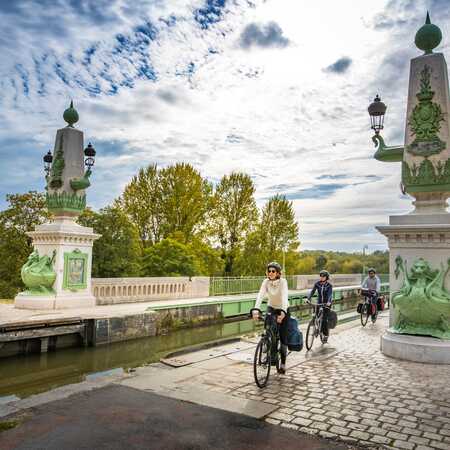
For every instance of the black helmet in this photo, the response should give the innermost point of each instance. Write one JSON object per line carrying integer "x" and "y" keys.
{"x": 324, "y": 273}
{"x": 371, "y": 269}
{"x": 274, "y": 265}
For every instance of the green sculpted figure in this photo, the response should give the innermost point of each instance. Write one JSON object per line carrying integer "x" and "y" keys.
{"x": 81, "y": 183}
{"x": 422, "y": 305}
{"x": 38, "y": 274}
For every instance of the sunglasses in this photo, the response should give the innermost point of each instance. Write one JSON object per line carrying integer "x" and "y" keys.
{"x": 271, "y": 271}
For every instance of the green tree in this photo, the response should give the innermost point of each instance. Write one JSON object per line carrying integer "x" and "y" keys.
{"x": 141, "y": 201}
{"x": 169, "y": 258}
{"x": 333, "y": 266}
{"x": 118, "y": 252}
{"x": 234, "y": 215}
{"x": 321, "y": 262}
{"x": 306, "y": 265}
{"x": 185, "y": 200}
{"x": 352, "y": 266}
{"x": 278, "y": 227}
{"x": 23, "y": 213}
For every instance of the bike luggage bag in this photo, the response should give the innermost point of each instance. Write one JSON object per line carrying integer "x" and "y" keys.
{"x": 380, "y": 303}
{"x": 332, "y": 319}
{"x": 294, "y": 336}
{"x": 359, "y": 308}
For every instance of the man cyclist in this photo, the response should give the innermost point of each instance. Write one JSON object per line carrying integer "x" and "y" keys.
{"x": 275, "y": 289}
{"x": 372, "y": 284}
{"x": 324, "y": 291}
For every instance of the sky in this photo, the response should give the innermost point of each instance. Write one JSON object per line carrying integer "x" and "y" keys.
{"x": 276, "y": 88}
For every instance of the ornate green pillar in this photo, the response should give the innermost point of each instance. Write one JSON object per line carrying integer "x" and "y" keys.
{"x": 419, "y": 242}
{"x": 58, "y": 272}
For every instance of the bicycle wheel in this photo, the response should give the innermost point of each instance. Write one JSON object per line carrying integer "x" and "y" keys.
{"x": 364, "y": 314}
{"x": 261, "y": 362}
{"x": 310, "y": 334}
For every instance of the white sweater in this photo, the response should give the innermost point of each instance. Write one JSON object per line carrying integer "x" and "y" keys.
{"x": 277, "y": 293}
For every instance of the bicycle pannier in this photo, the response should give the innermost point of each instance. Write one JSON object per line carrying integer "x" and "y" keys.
{"x": 380, "y": 303}
{"x": 359, "y": 308}
{"x": 294, "y": 336}
{"x": 332, "y": 319}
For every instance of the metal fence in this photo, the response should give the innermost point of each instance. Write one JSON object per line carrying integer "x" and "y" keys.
{"x": 240, "y": 285}
{"x": 248, "y": 285}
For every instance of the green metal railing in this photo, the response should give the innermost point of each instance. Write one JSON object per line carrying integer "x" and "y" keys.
{"x": 249, "y": 285}
{"x": 240, "y": 285}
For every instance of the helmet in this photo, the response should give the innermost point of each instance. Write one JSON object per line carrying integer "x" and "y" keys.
{"x": 324, "y": 273}
{"x": 371, "y": 269}
{"x": 274, "y": 265}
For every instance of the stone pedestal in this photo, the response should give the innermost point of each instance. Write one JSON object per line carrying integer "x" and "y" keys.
{"x": 411, "y": 237}
{"x": 420, "y": 349}
{"x": 73, "y": 260}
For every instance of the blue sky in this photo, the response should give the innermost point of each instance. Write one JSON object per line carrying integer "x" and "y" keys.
{"x": 277, "y": 88}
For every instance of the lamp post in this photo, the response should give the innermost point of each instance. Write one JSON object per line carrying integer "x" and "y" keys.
{"x": 90, "y": 153}
{"x": 48, "y": 159}
{"x": 377, "y": 110}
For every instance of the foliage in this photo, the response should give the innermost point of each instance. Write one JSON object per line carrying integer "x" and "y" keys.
{"x": 23, "y": 213}
{"x": 234, "y": 215}
{"x": 142, "y": 204}
{"x": 160, "y": 202}
{"x": 117, "y": 253}
{"x": 169, "y": 258}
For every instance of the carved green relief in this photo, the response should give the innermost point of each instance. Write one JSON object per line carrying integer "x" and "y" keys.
{"x": 425, "y": 120}
{"x": 55, "y": 179}
{"x": 422, "y": 305}
{"x": 38, "y": 274}
{"x": 63, "y": 201}
{"x": 75, "y": 270}
{"x": 385, "y": 153}
{"x": 398, "y": 263}
{"x": 81, "y": 183}
{"x": 426, "y": 174}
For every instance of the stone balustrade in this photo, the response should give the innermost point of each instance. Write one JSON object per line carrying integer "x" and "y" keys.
{"x": 109, "y": 291}
{"x": 337, "y": 280}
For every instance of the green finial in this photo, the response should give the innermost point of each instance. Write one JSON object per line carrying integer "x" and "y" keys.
{"x": 70, "y": 115}
{"x": 428, "y": 36}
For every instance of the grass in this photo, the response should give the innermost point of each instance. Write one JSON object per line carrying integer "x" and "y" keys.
{"x": 6, "y": 300}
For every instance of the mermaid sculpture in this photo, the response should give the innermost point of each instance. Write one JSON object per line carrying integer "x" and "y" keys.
{"x": 422, "y": 305}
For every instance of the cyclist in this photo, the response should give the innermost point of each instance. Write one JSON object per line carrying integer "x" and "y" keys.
{"x": 324, "y": 291}
{"x": 373, "y": 285}
{"x": 275, "y": 289}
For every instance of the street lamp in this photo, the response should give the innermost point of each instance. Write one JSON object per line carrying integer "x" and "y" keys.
{"x": 89, "y": 152}
{"x": 48, "y": 159}
{"x": 377, "y": 110}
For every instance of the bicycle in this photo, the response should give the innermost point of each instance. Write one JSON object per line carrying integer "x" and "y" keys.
{"x": 315, "y": 325}
{"x": 264, "y": 359}
{"x": 366, "y": 308}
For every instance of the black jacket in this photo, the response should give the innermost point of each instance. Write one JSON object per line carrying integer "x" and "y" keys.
{"x": 324, "y": 292}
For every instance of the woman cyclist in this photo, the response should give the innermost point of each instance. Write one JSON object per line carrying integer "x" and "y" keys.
{"x": 275, "y": 289}
{"x": 324, "y": 291}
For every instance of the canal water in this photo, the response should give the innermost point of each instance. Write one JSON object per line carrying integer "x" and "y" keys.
{"x": 22, "y": 376}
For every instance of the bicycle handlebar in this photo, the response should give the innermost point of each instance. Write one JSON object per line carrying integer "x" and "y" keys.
{"x": 277, "y": 311}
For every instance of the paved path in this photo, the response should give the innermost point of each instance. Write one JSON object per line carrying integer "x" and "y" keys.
{"x": 345, "y": 391}
{"x": 117, "y": 417}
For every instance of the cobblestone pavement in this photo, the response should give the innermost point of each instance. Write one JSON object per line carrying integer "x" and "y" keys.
{"x": 354, "y": 394}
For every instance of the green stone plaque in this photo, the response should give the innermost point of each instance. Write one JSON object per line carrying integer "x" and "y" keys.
{"x": 75, "y": 270}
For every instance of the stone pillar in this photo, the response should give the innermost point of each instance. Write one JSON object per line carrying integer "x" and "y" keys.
{"x": 419, "y": 242}
{"x": 58, "y": 272}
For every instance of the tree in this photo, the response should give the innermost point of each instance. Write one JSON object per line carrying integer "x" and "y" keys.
{"x": 279, "y": 228}
{"x": 352, "y": 266}
{"x": 118, "y": 252}
{"x": 169, "y": 258}
{"x": 321, "y": 262}
{"x": 332, "y": 266}
{"x": 141, "y": 201}
{"x": 24, "y": 212}
{"x": 306, "y": 265}
{"x": 234, "y": 215}
{"x": 185, "y": 200}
